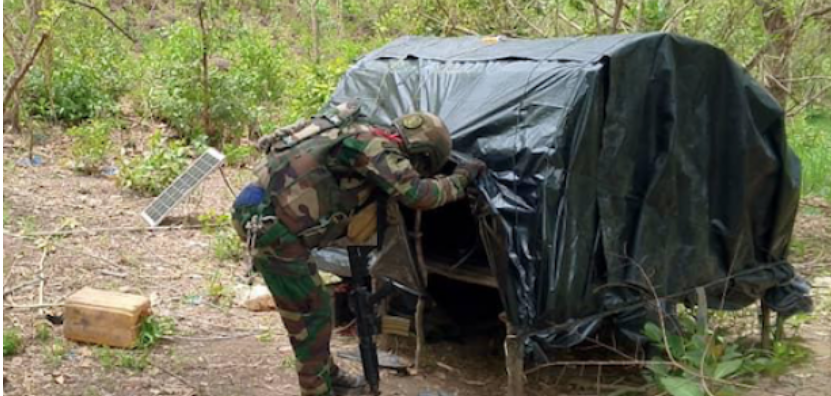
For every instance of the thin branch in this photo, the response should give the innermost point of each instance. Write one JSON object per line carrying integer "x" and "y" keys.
{"x": 796, "y": 110}
{"x": 818, "y": 12}
{"x": 758, "y": 56}
{"x": 596, "y": 8}
{"x": 42, "y": 280}
{"x": 671, "y": 21}
{"x": 639, "y": 19}
{"x": 21, "y": 286}
{"x": 196, "y": 389}
{"x": 93, "y": 231}
{"x": 525, "y": 19}
{"x": 32, "y": 306}
{"x": 114, "y": 273}
{"x": 594, "y": 363}
{"x": 807, "y": 78}
{"x": 206, "y": 86}
{"x": 460, "y": 29}
{"x": 24, "y": 71}
{"x": 616, "y": 16}
{"x": 105, "y": 16}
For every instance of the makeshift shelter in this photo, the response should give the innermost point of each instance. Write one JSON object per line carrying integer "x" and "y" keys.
{"x": 620, "y": 167}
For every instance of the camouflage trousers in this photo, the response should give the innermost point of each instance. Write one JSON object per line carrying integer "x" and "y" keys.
{"x": 305, "y": 307}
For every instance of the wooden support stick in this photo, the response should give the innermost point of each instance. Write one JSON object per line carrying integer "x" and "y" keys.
{"x": 779, "y": 333}
{"x": 515, "y": 361}
{"x": 764, "y": 322}
{"x": 42, "y": 279}
{"x": 701, "y": 318}
{"x": 419, "y": 328}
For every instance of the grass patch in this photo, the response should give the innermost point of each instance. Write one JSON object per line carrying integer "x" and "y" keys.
{"x": 43, "y": 332}
{"x": 225, "y": 244}
{"x": 12, "y": 342}
{"x": 218, "y": 291}
{"x": 130, "y": 360}
{"x": 56, "y": 351}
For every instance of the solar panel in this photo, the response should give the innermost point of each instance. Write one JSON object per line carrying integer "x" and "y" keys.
{"x": 182, "y": 186}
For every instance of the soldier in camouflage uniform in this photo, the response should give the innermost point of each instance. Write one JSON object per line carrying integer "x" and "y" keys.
{"x": 303, "y": 198}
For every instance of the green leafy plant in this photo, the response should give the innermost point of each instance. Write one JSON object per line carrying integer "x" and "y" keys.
{"x": 153, "y": 329}
{"x": 91, "y": 144}
{"x": 238, "y": 155}
{"x": 151, "y": 172}
{"x": 700, "y": 361}
{"x": 225, "y": 242}
{"x": 313, "y": 84}
{"x": 226, "y": 245}
{"x": 265, "y": 337}
{"x": 211, "y": 221}
{"x": 12, "y": 342}
{"x": 218, "y": 291}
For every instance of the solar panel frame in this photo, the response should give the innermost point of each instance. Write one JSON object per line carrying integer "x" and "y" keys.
{"x": 182, "y": 186}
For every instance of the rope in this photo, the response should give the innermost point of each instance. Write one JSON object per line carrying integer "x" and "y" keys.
{"x": 227, "y": 184}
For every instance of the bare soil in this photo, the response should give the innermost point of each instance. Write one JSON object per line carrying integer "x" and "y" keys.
{"x": 221, "y": 349}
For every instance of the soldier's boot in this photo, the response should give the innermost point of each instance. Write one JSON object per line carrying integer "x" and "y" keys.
{"x": 344, "y": 384}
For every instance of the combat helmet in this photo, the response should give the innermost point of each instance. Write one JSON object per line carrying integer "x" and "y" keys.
{"x": 426, "y": 141}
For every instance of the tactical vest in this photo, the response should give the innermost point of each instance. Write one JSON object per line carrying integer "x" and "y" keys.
{"x": 306, "y": 197}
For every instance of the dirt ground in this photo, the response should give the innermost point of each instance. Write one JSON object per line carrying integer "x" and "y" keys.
{"x": 222, "y": 350}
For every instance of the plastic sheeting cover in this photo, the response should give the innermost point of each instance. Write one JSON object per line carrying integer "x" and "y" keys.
{"x": 618, "y": 166}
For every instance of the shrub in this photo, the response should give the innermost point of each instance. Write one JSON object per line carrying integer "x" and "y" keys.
{"x": 91, "y": 144}
{"x": 699, "y": 358}
{"x": 313, "y": 85}
{"x": 159, "y": 165}
{"x": 81, "y": 72}
{"x": 248, "y": 88}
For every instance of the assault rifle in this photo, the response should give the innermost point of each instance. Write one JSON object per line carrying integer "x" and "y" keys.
{"x": 365, "y": 301}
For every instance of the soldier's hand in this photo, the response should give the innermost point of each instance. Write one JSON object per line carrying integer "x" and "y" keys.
{"x": 474, "y": 168}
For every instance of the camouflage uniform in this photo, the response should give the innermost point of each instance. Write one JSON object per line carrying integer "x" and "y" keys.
{"x": 310, "y": 192}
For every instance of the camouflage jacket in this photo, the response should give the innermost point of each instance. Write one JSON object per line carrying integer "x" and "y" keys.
{"x": 319, "y": 184}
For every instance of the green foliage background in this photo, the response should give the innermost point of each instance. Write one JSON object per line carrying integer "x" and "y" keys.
{"x": 265, "y": 69}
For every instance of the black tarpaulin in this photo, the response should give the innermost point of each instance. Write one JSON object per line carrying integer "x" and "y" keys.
{"x": 618, "y": 166}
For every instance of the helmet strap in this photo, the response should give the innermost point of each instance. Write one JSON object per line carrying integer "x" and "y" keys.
{"x": 392, "y": 136}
